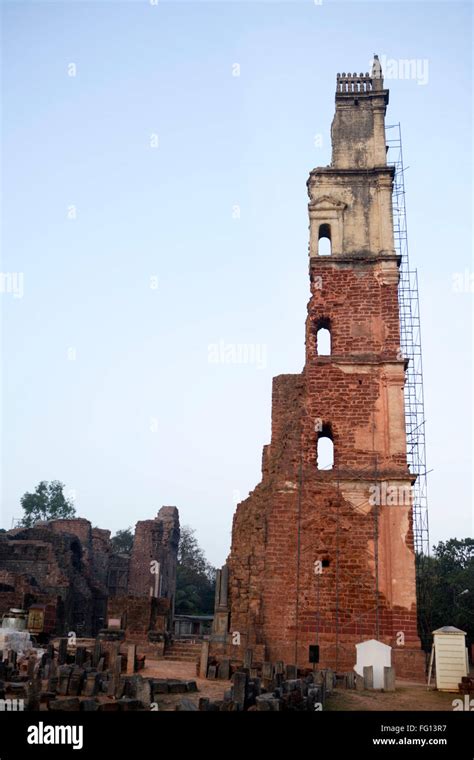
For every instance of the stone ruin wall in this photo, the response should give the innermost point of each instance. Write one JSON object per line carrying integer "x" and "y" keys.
{"x": 69, "y": 564}
{"x": 299, "y": 514}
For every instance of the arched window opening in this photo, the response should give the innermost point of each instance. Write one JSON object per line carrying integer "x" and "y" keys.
{"x": 325, "y": 449}
{"x": 323, "y": 342}
{"x": 76, "y": 555}
{"x": 324, "y": 240}
{"x": 323, "y": 337}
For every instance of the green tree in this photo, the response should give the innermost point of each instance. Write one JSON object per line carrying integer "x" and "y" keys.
{"x": 122, "y": 542}
{"x": 195, "y": 577}
{"x": 446, "y": 588}
{"x": 46, "y": 503}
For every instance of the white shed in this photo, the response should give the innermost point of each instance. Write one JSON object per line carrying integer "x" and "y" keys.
{"x": 450, "y": 655}
{"x": 377, "y": 654}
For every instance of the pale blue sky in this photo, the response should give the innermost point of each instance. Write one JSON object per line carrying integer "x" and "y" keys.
{"x": 141, "y": 418}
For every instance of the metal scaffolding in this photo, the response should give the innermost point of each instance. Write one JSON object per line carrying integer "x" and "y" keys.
{"x": 410, "y": 344}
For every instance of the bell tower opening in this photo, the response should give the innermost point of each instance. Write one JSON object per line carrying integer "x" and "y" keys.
{"x": 324, "y": 240}
{"x": 325, "y": 448}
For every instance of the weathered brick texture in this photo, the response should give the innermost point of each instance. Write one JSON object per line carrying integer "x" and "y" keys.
{"x": 73, "y": 566}
{"x": 300, "y": 515}
{"x": 155, "y": 541}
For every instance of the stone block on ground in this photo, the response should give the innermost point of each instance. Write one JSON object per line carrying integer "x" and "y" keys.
{"x": 177, "y": 687}
{"x": 68, "y": 704}
{"x": 224, "y": 669}
{"x": 62, "y": 651}
{"x": 92, "y": 684}
{"x": 64, "y": 675}
{"x": 109, "y": 707}
{"x": 90, "y": 705}
{"x": 143, "y": 692}
{"x": 267, "y": 673}
{"x": 351, "y": 679}
{"x": 239, "y": 688}
{"x": 96, "y": 653}
{"x": 388, "y": 679}
{"x": 76, "y": 682}
{"x": 248, "y": 657}
{"x": 203, "y": 662}
{"x": 292, "y": 685}
{"x": 267, "y": 703}
{"x": 368, "y": 677}
{"x": 127, "y": 704}
{"x": 159, "y": 686}
{"x": 186, "y": 705}
{"x": 131, "y": 659}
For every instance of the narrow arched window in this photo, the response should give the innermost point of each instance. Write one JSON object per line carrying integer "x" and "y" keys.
{"x": 323, "y": 342}
{"x": 325, "y": 449}
{"x": 323, "y": 337}
{"x": 324, "y": 240}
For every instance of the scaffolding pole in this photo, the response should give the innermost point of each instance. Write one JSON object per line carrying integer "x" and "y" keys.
{"x": 410, "y": 345}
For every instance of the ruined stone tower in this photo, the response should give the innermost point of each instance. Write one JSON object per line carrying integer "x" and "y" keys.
{"x": 322, "y": 552}
{"x": 155, "y": 541}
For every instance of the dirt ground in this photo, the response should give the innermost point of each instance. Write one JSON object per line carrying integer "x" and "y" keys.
{"x": 408, "y": 695}
{"x": 183, "y": 671}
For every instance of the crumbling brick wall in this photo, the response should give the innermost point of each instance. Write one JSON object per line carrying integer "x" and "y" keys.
{"x": 74, "y": 565}
{"x": 314, "y": 557}
{"x": 52, "y": 563}
{"x": 139, "y": 615}
{"x": 155, "y": 541}
{"x": 118, "y": 571}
